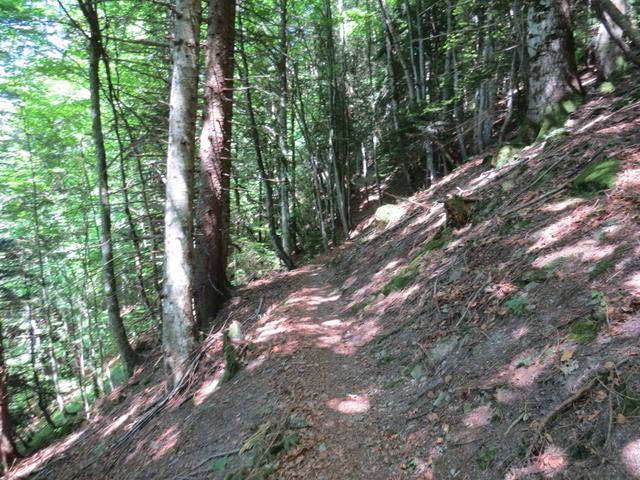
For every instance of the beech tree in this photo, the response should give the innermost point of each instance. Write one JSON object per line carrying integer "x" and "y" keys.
{"x": 179, "y": 330}
{"x": 553, "y": 73}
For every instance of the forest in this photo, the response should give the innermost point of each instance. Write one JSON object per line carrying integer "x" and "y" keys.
{"x": 171, "y": 170}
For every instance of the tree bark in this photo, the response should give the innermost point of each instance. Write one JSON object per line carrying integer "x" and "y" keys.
{"x": 283, "y": 177}
{"x": 127, "y": 355}
{"x": 553, "y": 72}
{"x": 8, "y": 449}
{"x": 620, "y": 19}
{"x": 179, "y": 330}
{"x": 607, "y": 50}
{"x": 212, "y": 242}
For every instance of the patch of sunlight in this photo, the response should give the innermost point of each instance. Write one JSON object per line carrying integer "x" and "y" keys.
{"x": 350, "y": 405}
{"x": 586, "y": 251}
{"x": 564, "y": 227}
{"x": 478, "y": 417}
{"x": 629, "y": 180}
{"x": 256, "y": 362}
{"x": 631, "y": 458}
{"x": 525, "y": 368}
{"x": 305, "y": 298}
{"x": 290, "y": 347}
{"x": 332, "y": 323}
{"x": 562, "y": 205}
{"x": 165, "y": 443}
{"x": 361, "y": 335}
{"x": 549, "y": 464}
{"x": 206, "y": 390}
{"x": 520, "y": 332}
{"x": 329, "y": 341}
{"x": 506, "y": 396}
{"x": 627, "y": 329}
{"x": 270, "y": 330}
{"x": 633, "y": 284}
{"x": 121, "y": 420}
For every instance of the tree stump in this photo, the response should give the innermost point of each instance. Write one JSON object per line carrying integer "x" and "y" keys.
{"x": 459, "y": 210}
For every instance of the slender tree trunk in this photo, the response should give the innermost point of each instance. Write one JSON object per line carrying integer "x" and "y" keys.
{"x": 212, "y": 243}
{"x": 179, "y": 329}
{"x": 283, "y": 177}
{"x": 395, "y": 41}
{"x": 127, "y": 355}
{"x": 276, "y": 242}
{"x": 36, "y": 367}
{"x": 485, "y": 94}
{"x": 113, "y": 98}
{"x": 8, "y": 449}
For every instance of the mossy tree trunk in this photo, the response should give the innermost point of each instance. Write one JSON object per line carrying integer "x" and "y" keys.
{"x": 553, "y": 72}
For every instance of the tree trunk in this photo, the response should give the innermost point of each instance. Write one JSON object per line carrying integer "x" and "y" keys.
{"x": 395, "y": 41}
{"x": 212, "y": 243}
{"x": 485, "y": 95}
{"x": 127, "y": 354}
{"x": 620, "y": 19}
{"x": 276, "y": 242}
{"x": 607, "y": 50}
{"x": 610, "y": 42}
{"x": 552, "y": 67}
{"x": 283, "y": 178}
{"x": 36, "y": 367}
{"x": 8, "y": 449}
{"x": 179, "y": 330}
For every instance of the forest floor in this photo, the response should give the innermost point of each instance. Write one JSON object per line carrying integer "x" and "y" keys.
{"x": 506, "y": 349}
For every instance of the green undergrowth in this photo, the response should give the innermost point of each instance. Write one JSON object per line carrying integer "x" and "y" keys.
{"x": 406, "y": 276}
{"x": 487, "y": 457}
{"x": 630, "y": 400}
{"x": 45, "y": 434}
{"x": 585, "y": 331}
{"x": 266, "y": 445}
{"x": 596, "y": 177}
{"x": 601, "y": 267}
{"x": 556, "y": 115}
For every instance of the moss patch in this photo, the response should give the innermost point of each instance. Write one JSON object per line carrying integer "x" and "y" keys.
{"x": 231, "y": 365}
{"x": 486, "y": 458}
{"x": 406, "y": 276}
{"x": 601, "y": 267}
{"x": 556, "y": 115}
{"x": 597, "y": 177}
{"x": 505, "y": 155}
{"x": 388, "y": 214}
{"x": 630, "y": 401}
{"x": 585, "y": 331}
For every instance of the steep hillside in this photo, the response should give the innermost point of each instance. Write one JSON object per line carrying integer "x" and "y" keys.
{"x": 507, "y": 348}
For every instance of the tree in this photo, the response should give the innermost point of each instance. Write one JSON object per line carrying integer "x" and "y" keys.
{"x": 8, "y": 449}
{"x": 179, "y": 330}
{"x": 609, "y": 37}
{"x": 212, "y": 250}
{"x": 553, "y": 73}
{"x": 127, "y": 355}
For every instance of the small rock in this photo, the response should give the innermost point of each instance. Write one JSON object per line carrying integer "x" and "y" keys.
{"x": 441, "y": 400}
{"x": 296, "y": 421}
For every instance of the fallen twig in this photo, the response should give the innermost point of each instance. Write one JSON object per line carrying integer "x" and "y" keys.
{"x": 564, "y": 404}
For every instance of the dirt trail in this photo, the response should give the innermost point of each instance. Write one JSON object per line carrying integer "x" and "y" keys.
{"x": 328, "y": 381}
